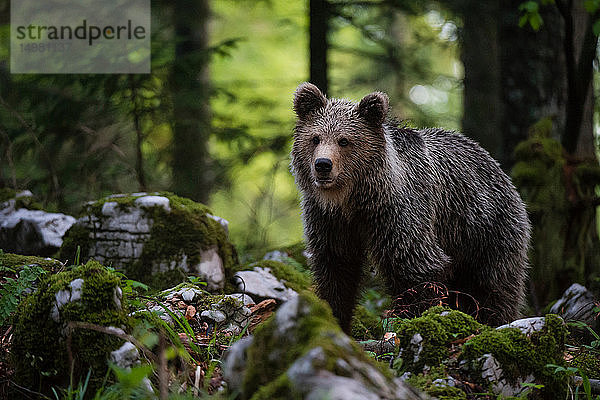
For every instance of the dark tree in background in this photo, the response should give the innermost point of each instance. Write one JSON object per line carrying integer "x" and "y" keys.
{"x": 192, "y": 176}
{"x": 318, "y": 43}
{"x": 528, "y": 100}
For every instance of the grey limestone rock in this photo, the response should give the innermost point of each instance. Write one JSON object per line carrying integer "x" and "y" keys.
{"x": 31, "y": 232}
{"x": 260, "y": 283}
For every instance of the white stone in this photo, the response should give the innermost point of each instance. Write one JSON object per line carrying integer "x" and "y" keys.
{"x": 576, "y": 303}
{"x": 125, "y": 356}
{"x": 215, "y": 315}
{"x": 276, "y": 255}
{"x": 188, "y": 294}
{"x": 153, "y": 201}
{"x": 210, "y": 269}
{"x": 76, "y": 286}
{"x": 416, "y": 346}
{"x": 117, "y": 296}
{"x": 261, "y": 283}
{"x": 526, "y": 325}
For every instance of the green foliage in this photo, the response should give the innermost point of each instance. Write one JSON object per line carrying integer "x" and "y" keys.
{"x": 12, "y": 290}
{"x": 366, "y": 324}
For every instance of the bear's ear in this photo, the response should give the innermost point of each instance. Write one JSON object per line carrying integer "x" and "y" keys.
{"x": 308, "y": 98}
{"x": 374, "y": 108}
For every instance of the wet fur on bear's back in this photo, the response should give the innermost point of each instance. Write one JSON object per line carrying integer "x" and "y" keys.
{"x": 422, "y": 205}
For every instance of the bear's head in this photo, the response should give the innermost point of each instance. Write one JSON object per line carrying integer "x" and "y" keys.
{"x": 337, "y": 143}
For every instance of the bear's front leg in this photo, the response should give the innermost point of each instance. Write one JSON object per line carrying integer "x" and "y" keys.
{"x": 336, "y": 260}
{"x": 337, "y": 280}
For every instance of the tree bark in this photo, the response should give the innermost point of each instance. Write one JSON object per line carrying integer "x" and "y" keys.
{"x": 482, "y": 100}
{"x": 192, "y": 175}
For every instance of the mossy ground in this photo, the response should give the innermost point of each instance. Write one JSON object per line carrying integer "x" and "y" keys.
{"x": 186, "y": 229}
{"x": 39, "y": 350}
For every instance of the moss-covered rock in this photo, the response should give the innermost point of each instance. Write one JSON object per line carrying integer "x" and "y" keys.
{"x": 157, "y": 238}
{"x": 436, "y": 382}
{"x": 40, "y": 353}
{"x": 499, "y": 360}
{"x": 426, "y": 340}
{"x": 302, "y": 353}
{"x": 270, "y": 279}
{"x": 26, "y": 229}
{"x": 19, "y": 275}
{"x": 16, "y": 262}
{"x": 292, "y": 254}
{"x": 521, "y": 356}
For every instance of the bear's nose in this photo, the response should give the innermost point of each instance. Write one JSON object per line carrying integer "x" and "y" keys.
{"x": 323, "y": 165}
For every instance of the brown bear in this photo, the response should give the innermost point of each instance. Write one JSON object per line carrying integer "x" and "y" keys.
{"x": 421, "y": 205}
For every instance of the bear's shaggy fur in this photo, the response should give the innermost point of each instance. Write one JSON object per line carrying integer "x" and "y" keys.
{"x": 421, "y": 205}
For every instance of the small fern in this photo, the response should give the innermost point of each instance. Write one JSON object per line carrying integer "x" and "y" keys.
{"x": 13, "y": 289}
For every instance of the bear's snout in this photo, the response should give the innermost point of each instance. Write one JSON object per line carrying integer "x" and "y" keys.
{"x": 323, "y": 165}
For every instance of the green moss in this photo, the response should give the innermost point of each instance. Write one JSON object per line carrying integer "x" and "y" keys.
{"x": 39, "y": 351}
{"x": 271, "y": 354}
{"x": 14, "y": 261}
{"x": 425, "y": 382}
{"x": 438, "y": 327}
{"x": 588, "y": 363}
{"x": 520, "y": 356}
{"x": 186, "y": 229}
{"x": 366, "y": 325}
{"x": 76, "y": 236}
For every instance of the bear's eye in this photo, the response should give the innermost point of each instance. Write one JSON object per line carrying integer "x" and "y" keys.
{"x": 316, "y": 140}
{"x": 343, "y": 142}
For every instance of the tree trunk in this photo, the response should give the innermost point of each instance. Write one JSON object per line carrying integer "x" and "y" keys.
{"x": 319, "y": 27}
{"x": 192, "y": 175}
{"x": 580, "y": 48}
{"x": 482, "y": 100}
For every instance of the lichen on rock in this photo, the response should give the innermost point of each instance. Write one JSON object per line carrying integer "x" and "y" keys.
{"x": 156, "y": 238}
{"x": 39, "y": 353}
